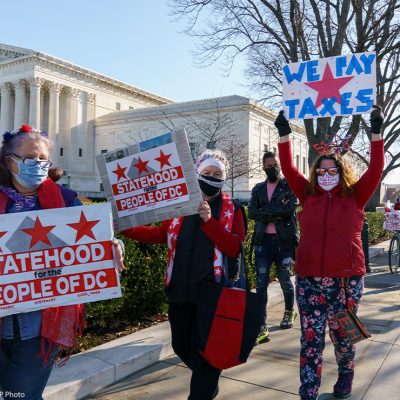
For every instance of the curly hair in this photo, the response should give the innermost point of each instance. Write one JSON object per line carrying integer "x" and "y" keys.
{"x": 216, "y": 154}
{"x": 347, "y": 176}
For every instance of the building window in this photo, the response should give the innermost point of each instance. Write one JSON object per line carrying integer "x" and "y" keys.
{"x": 298, "y": 162}
{"x": 80, "y": 152}
{"x": 193, "y": 151}
{"x": 101, "y": 187}
{"x": 61, "y": 151}
{"x": 118, "y": 106}
{"x": 104, "y": 151}
{"x": 211, "y": 145}
{"x": 131, "y": 108}
{"x": 265, "y": 148}
{"x": 274, "y": 150}
{"x": 304, "y": 165}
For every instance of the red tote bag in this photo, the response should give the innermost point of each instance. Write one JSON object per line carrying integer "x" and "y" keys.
{"x": 227, "y": 340}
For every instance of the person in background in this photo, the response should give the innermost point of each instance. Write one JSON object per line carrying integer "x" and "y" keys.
{"x": 397, "y": 204}
{"x": 272, "y": 206}
{"x": 196, "y": 246}
{"x": 30, "y": 342}
{"x": 329, "y": 261}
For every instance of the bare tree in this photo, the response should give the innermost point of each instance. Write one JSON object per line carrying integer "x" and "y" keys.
{"x": 272, "y": 33}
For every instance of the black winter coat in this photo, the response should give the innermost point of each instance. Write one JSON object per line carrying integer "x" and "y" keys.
{"x": 280, "y": 211}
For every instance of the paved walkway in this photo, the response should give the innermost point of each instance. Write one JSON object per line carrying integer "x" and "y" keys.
{"x": 271, "y": 371}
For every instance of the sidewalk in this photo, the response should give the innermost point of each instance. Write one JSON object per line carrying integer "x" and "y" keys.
{"x": 271, "y": 371}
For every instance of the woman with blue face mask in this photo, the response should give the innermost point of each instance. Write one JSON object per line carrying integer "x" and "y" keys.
{"x": 30, "y": 342}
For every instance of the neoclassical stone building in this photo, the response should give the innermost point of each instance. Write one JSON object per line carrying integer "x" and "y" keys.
{"x": 63, "y": 99}
{"x": 86, "y": 113}
{"x": 239, "y": 124}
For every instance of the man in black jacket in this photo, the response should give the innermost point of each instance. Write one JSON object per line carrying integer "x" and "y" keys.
{"x": 272, "y": 206}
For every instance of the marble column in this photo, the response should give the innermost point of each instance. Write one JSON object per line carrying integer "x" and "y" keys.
{"x": 54, "y": 119}
{"x": 19, "y": 113}
{"x": 89, "y": 132}
{"x": 5, "y": 108}
{"x": 34, "y": 104}
{"x": 73, "y": 126}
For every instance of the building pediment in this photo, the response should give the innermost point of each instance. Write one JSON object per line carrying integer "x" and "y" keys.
{"x": 8, "y": 53}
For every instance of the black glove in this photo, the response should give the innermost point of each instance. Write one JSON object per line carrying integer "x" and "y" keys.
{"x": 376, "y": 120}
{"x": 282, "y": 124}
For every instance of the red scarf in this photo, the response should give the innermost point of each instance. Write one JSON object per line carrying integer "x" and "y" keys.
{"x": 225, "y": 219}
{"x": 61, "y": 326}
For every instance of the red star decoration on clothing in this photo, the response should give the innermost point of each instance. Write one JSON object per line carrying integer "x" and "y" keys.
{"x": 120, "y": 172}
{"x": 163, "y": 159}
{"x": 39, "y": 233}
{"x": 141, "y": 166}
{"x": 328, "y": 86}
{"x": 218, "y": 271}
{"x": 84, "y": 227}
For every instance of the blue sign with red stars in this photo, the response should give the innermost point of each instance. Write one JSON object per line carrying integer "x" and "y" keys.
{"x": 329, "y": 87}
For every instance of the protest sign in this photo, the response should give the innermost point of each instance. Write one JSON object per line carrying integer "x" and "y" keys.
{"x": 56, "y": 257}
{"x": 329, "y": 87}
{"x": 391, "y": 220}
{"x": 150, "y": 181}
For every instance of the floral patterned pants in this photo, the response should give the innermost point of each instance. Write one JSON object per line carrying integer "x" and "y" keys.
{"x": 318, "y": 300}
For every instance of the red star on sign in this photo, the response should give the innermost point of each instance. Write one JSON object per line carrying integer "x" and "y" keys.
{"x": 84, "y": 227}
{"x": 328, "y": 86}
{"x": 120, "y": 172}
{"x": 39, "y": 233}
{"x": 163, "y": 159}
{"x": 2, "y": 234}
{"x": 141, "y": 166}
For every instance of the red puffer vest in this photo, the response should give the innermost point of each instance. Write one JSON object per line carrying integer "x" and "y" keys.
{"x": 335, "y": 251}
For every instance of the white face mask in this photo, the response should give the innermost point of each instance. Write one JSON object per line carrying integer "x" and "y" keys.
{"x": 328, "y": 182}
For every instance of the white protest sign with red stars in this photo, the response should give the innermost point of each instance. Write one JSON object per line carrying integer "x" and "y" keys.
{"x": 148, "y": 180}
{"x": 56, "y": 257}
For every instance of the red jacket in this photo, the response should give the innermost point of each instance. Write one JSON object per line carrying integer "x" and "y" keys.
{"x": 330, "y": 241}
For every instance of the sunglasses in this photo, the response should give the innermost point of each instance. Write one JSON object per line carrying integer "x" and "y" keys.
{"x": 330, "y": 171}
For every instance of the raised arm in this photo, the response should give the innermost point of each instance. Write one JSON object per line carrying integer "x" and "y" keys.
{"x": 297, "y": 182}
{"x": 367, "y": 184}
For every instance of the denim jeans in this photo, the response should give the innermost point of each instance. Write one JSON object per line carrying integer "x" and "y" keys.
{"x": 265, "y": 255}
{"x": 22, "y": 373}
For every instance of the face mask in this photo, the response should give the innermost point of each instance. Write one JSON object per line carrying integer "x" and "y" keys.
{"x": 328, "y": 182}
{"x": 272, "y": 173}
{"x": 31, "y": 176}
{"x": 209, "y": 185}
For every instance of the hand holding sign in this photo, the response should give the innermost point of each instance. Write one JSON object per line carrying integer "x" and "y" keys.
{"x": 376, "y": 120}
{"x": 282, "y": 124}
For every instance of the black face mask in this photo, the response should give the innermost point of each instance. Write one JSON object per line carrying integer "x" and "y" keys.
{"x": 207, "y": 188}
{"x": 272, "y": 173}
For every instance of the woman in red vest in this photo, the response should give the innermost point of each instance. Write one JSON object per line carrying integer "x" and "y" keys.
{"x": 196, "y": 244}
{"x": 25, "y": 186}
{"x": 330, "y": 261}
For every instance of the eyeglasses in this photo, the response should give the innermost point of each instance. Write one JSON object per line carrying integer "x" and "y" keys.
{"x": 32, "y": 161}
{"x": 330, "y": 171}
